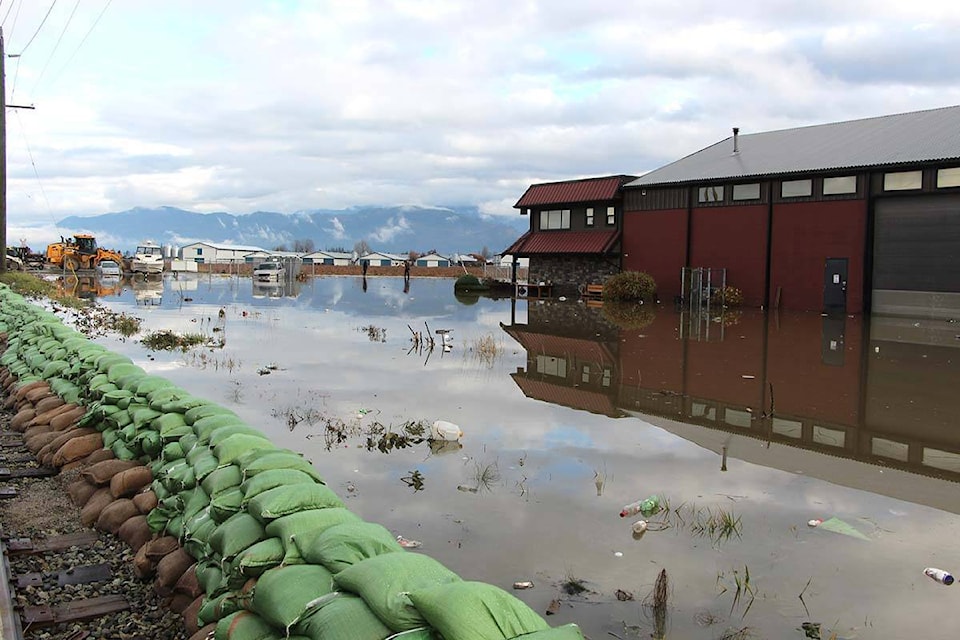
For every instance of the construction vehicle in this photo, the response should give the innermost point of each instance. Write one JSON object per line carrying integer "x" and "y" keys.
{"x": 80, "y": 252}
{"x": 27, "y": 258}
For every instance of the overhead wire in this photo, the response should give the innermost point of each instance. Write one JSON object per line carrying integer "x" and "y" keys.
{"x": 23, "y": 133}
{"x": 42, "y": 22}
{"x": 57, "y": 45}
{"x": 9, "y": 9}
{"x": 87, "y": 35}
{"x": 15, "y": 16}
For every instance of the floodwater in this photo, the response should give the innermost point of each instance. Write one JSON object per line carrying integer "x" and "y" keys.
{"x": 747, "y": 426}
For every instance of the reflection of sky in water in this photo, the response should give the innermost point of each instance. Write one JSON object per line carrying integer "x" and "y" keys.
{"x": 542, "y": 517}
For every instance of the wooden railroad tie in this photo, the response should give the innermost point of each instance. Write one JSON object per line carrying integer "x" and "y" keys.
{"x": 75, "y": 575}
{"x": 7, "y": 473}
{"x": 21, "y": 546}
{"x": 45, "y": 616}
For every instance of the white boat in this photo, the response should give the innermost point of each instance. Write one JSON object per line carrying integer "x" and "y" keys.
{"x": 267, "y": 271}
{"x": 148, "y": 259}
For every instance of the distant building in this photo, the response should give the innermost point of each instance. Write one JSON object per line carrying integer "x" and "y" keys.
{"x": 329, "y": 258}
{"x": 433, "y": 260}
{"x": 574, "y": 235}
{"x": 378, "y": 259}
{"x": 216, "y": 253}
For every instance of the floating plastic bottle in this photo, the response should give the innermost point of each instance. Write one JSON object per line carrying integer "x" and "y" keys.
{"x": 647, "y": 507}
{"x": 639, "y": 526}
{"x": 816, "y": 522}
{"x": 443, "y": 430}
{"x": 941, "y": 576}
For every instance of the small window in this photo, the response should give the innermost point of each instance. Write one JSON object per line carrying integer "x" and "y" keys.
{"x": 585, "y": 374}
{"x": 841, "y": 185}
{"x": 605, "y": 380}
{"x": 746, "y": 191}
{"x": 711, "y": 194}
{"x": 589, "y": 216}
{"x": 902, "y": 180}
{"x": 199, "y": 251}
{"x": 829, "y": 437}
{"x": 948, "y": 178}
{"x": 796, "y": 188}
{"x": 611, "y": 216}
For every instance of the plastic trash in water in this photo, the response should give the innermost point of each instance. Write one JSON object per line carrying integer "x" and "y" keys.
{"x": 443, "y": 430}
{"x": 836, "y": 525}
{"x": 523, "y": 584}
{"x": 409, "y": 544}
{"x": 816, "y": 522}
{"x": 639, "y": 527}
{"x": 647, "y": 507}
{"x": 941, "y": 576}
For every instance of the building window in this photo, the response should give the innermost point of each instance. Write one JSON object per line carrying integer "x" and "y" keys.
{"x": 585, "y": 374}
{"x": 551, "y": 366}
{"x": 611, "y": 216}
{"x": 711, "y": 194}
{"x": 796, "y": 188}
{"x": 605, "y": 380}
{"x": 199, "y": 251}
{"x": 902, "y": 180}
{"x": 558, "y": 219}
{"x": 841, "y": 185}
{"x": 589, "y": 216}
{"x": 746, "y": 191}
{"x": 948, "y": 178}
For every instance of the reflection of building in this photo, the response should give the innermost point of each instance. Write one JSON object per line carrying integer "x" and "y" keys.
{"x": 773, "y": 390}
{"x": 148, "y": 291}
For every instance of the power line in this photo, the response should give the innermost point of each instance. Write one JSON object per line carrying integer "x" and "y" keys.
{"x": 42, "y": 22}
{"x": 33, "y": 164}
{"x": 56, "y": 46}
{"x": 87, "y": 35}
{"x": 15, "y": 16}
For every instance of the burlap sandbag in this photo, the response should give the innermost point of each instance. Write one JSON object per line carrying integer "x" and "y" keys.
{"x": 36, "y": 430}
{"x": 20, "y": 420}
{"x": 145, "y": 501}
{"x": 135, "y": 532}
{"x": 97, "y": 503}
{"x": 22, "y": 392}
{"x": 45, "y": 417}
{"x": 179, "y": 602}
{"x": 188, "y": 583}
{"x": 39, "y": 441}
{"x": 171, "y": 568}
{"x": 67, "y": 418}
{"x": 198, "y": 634}
{"x": 130, "y": 481}
{"x": 99, "y": 456}
{"x": 160, "y": 547}
{"x": 143, "y": 566}
{"x": 47, "y": 404}
{"x": 115, "y": 514}
{"x": 102, "y": 472}
{"x": 80, "y": 491}
{"x": 36, "y": 395}
{"x": 62, "y": 438}
{"x": 77, "y": 448}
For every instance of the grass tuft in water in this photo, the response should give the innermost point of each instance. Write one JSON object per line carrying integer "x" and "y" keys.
{"x": 166, "y": 340}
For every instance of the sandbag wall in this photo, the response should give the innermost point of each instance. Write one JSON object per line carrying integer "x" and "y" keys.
{"x": 243, "y": 537}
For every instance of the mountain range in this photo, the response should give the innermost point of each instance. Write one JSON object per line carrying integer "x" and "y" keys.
{"x": 395, "y": 229}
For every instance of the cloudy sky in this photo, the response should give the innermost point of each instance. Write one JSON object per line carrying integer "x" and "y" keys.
{"x": 284, "y": 105}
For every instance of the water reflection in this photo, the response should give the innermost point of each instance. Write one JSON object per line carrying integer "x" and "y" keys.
{"x": 880, "y": 390}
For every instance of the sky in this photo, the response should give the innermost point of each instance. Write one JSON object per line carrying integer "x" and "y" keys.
{"x": 286, "y": 105}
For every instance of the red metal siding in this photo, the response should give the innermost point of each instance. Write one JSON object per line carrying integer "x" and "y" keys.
{"x": 734, "y": 238}
{"x": 716, "y": 369}
{"x": 805, "y": 234}
{"x": 652, "y": 357}
{"x": 656, "y": 242}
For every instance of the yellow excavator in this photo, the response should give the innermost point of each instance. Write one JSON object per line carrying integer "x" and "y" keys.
{"x": 81, "y": 252}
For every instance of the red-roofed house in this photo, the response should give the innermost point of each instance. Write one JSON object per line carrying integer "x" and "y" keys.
{"x": 574, "y": 235}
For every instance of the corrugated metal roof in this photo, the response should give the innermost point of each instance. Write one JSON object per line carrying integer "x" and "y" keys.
{"x": 882, "y": 141}
{"x": 582, "y": 350}
{"x": 564, "y": 242}
{"x": 564, "y": 396}
{"x": 571, "y": 191}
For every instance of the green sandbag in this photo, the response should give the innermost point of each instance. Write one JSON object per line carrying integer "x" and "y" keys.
{"x": 53, "y": 369}
{"x": 283, "y": 595}
{"x": 566, "y": 632}
{"x": 157, "y": 520}
{"x": 244, "y": 625}
{"x": 199, "y": 528}
{"x": 271, "y": 479}
{"x": 303, "y": 527}
{"x": 194, "y": 501}
{"x": 122, "y": 370}
{"x": 225, "y": 504}
{"x": 171, "y": 451}
{"x": 182, "y": 404}
{"x": 175, "y": 526}
{"x": 260, "y": 461}
{"x": 180, "y": 477}
{"x": 144, "y": 416}
{"x": 236, "y": 534}
{"x": 385, "y": 581}
{"x": 203, "y": 427}
{"x": 281, "y": 501}
{"x": 475, "y": 611}
{"x": 121, "y": 451}
{"x": 209, "y": 575}
{"x": 345, "y": 617}
{"x": 160, "y": 397}
{"x": 205, "y": 410}
{"x": 237, "y": 445}
{"x": 150, "y": 443}
{"x": 203, "y": 465}
{"x": 148, "y": 384}
{"x": 174, "y": 434}
{"x": 220, "y": 434}
{"x": 167, "y": 421}
{"x": 187, "y": 442}
{"x": 347, "y": 544}
{"x": 257, "y": 558}
{"x": 221, "y": 479}
{"x": 116, "y": 396}
{"x": 217, "y": 608}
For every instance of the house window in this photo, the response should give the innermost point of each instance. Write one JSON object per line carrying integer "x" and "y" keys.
{"x": 557, "y": 219}
{"x": 611, "y": 216}
{"x": 711, "y": 194}
{"x": 902, "y": 180}
{"x": 199, "y": 251}
{"x": 838, "y": 186}
{"x": 605, "y": 380}
{"x": 585, "y": 374}
{"x": 796, "y": 188}
{"x": 948, "y": 178}
{"x": 746, "y": 191}
{"x": 589, "y": 216}
{"x": 551, "y": 366}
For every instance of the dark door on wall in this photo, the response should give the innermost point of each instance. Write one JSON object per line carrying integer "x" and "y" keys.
{"x": 835, "y": 284}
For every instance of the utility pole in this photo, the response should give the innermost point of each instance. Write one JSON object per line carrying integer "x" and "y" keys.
{"x": 3, "y": 151}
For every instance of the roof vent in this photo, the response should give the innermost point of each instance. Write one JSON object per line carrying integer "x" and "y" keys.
{"x": 736, "y": 139}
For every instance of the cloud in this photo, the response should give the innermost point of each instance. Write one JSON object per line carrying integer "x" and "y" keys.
{"x": 337, "y": 230}
{"x": 285, "y": 107}
{"x": 394, "y": 227}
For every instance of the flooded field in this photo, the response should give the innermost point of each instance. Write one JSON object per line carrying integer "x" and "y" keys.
{"x": 746, "y": 427}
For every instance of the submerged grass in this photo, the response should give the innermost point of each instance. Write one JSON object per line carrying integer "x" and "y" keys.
{"x": 167, "y": 340}
{"x": 486, "y": 349}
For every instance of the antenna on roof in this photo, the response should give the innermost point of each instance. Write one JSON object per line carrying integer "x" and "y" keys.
{"x": 736, "y": 139}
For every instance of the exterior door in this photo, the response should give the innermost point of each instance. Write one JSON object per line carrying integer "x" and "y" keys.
{"x": 835, "y": 284}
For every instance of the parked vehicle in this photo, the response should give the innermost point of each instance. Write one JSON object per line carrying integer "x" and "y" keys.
{"x": 109, "y": 268}
{"x": 80, "y": 252}
{"x": 27, "y": 258}
{"x": 148, "y": 259}
{"x": 267, "y": 271}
